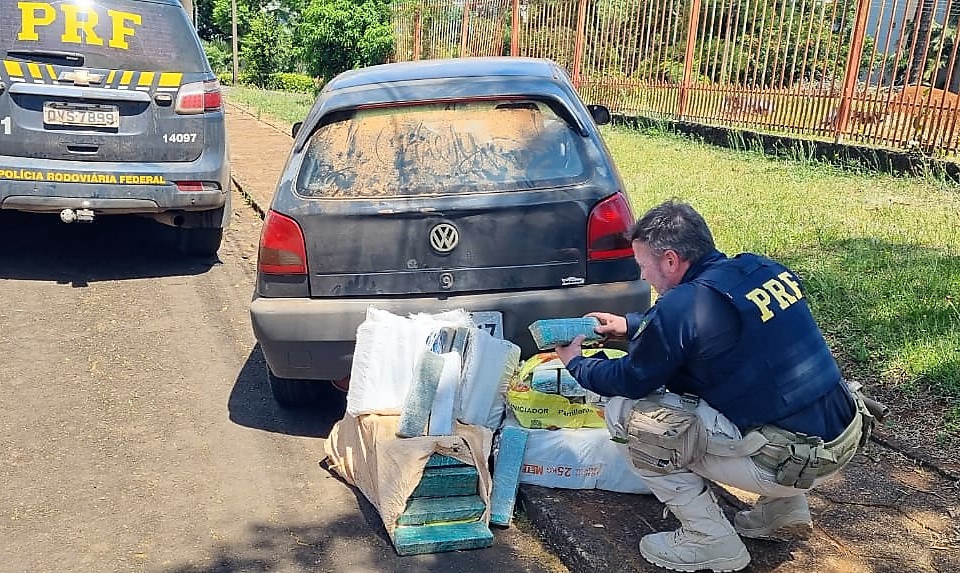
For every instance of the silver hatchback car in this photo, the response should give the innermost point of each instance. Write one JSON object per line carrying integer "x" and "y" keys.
{"x": 479, "y": 183}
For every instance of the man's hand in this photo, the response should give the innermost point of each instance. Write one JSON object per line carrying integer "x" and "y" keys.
{"x": 611, "y": 325}
{"x": 566, "y": 353}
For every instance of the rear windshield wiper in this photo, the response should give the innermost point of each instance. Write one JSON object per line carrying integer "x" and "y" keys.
{"x": 48, "y": 56}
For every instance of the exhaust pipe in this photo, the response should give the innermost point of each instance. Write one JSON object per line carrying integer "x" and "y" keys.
{"x": 71, "y": 215}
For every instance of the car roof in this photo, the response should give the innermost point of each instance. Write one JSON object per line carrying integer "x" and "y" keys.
{"x": 446, "y": 68}
{"x": 456, "y": 78}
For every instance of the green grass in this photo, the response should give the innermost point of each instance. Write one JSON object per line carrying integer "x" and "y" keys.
{"x": 288, "y": 107}
{"x": 879, "y": 255}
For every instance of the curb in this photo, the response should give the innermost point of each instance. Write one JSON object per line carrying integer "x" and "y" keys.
{"x": 249, "y": 198}
{"x": 575, "y": 551}
{"x": 597, "y": 530}
{"x": 260, "y": 210}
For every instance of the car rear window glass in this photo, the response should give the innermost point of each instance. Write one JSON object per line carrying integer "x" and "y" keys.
{"x": 137, "y": 36}
{"x": 442, "y": 148}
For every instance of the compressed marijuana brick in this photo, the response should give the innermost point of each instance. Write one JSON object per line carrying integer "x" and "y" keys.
{"x": 552, "y": 332}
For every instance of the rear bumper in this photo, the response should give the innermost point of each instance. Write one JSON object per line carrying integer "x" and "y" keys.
{"x": 314, "y": 338}
{"x": 112, "y": 200}
{"x": 45, "y": 186}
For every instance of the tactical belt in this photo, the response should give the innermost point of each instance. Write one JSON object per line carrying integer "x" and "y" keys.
{"x": 664, "y": 434}
{"x": 796, "y": 459}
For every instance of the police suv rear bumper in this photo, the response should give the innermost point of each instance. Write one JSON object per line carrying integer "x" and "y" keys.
{"x": 118, "y": 201}
{"x": 45, "y": 186}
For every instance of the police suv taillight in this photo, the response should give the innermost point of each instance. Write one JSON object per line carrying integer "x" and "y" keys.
{"x": 282, "y": 248}
{"x": 199, "y": 97}
{"x": 608, "y": 229}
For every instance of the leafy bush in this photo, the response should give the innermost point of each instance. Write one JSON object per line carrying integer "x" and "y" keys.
{"x": 338, "y": 35}
{"x": 266, "y": 48}
{"x": 293, "y": 82}
{"x": 219, "y": 54}
{"x": 243, "y": 79}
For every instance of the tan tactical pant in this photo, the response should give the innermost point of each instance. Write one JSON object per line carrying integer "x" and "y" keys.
{"x": 681, "y": 487}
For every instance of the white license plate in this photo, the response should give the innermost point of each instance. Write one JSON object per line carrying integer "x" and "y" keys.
{"x": 489, "y": 320}
{"x": 81, "y": 115}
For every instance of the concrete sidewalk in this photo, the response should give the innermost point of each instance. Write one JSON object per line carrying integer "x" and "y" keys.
{"x": 258, "y": 152}
{"x": 885, "y": 513}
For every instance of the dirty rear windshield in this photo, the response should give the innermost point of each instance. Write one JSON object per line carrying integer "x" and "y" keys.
{"x": 442, "y": 148}
{"x": 137, "y": 36}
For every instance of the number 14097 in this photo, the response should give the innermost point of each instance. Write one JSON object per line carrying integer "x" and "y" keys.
{"x": 179, "y": 137}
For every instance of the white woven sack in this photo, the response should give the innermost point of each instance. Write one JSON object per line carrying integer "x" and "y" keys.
{"x": 385, "y": 356}
{"x": 488, "y": 366}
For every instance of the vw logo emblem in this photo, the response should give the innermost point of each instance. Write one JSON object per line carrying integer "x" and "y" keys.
{"x": 444, "y": 237}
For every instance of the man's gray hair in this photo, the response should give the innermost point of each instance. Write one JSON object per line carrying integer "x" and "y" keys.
{"x": 677, "y": 226}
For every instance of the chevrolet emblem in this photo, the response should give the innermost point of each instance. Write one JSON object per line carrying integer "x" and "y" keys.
{"x": 80, "y": 77}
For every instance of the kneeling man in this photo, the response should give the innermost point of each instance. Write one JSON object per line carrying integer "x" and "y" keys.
{"x": 730, "y": 360}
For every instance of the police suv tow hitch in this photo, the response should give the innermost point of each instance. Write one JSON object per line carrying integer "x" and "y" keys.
{"x": 71, "y": 215}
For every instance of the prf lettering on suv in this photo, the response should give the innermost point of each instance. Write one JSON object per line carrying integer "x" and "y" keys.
{"x": 77, "y": 19}
{"x": 110, "y": 107}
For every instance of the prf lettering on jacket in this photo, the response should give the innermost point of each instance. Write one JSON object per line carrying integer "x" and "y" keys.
{"x": 76, "y": 19}
{"x": 785, "y": 291}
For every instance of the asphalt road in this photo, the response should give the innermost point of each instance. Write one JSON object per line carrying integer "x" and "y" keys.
{"x": 136, "y": 429}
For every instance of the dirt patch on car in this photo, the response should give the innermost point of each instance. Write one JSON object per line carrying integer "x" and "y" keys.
{"x": 433, "y": 148}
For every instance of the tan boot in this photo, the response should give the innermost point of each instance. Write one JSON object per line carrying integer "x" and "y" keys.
{"x": 777, "y": 518}
{"x": 706, "y": 540}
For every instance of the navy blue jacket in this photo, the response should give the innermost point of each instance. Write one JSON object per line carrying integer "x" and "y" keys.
{"x": 737, "y": 332}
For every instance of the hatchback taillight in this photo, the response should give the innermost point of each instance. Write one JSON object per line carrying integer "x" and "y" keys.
{"x": 282, "y": 248}
{"x": 199, "y": 97}
{"x": 608, "y": 229}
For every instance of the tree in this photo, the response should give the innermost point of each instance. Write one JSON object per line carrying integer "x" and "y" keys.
{"x": 924, "y": 26}
{"x": 216, "y": 15}
{"x": 206, "y": 28}
{"x": 789, "y": 42}
{"x": 266, "y": 48}
{"x": 927, "y": 49}
{"x": 338, "y": 35}
{"x": 222, "y": 16}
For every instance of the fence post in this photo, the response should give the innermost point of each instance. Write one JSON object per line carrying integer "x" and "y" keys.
{"x": 694, "y": 22}
{"x": 233, "y": 37}
{"x": 417, "y": 28}
{"x": 464, "y": 29}
{"x": 853, "y": 68}
{"x": 515, "y": 30}
{"x": 578, "y": 43}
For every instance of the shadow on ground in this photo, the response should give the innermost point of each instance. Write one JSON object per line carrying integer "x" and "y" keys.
{"x": 40, "y": 247}
{"x": 251, "y": 404}
{"x": 348, "y": 546}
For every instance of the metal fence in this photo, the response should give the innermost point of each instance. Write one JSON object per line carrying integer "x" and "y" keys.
{"x": 873, "y": 72}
